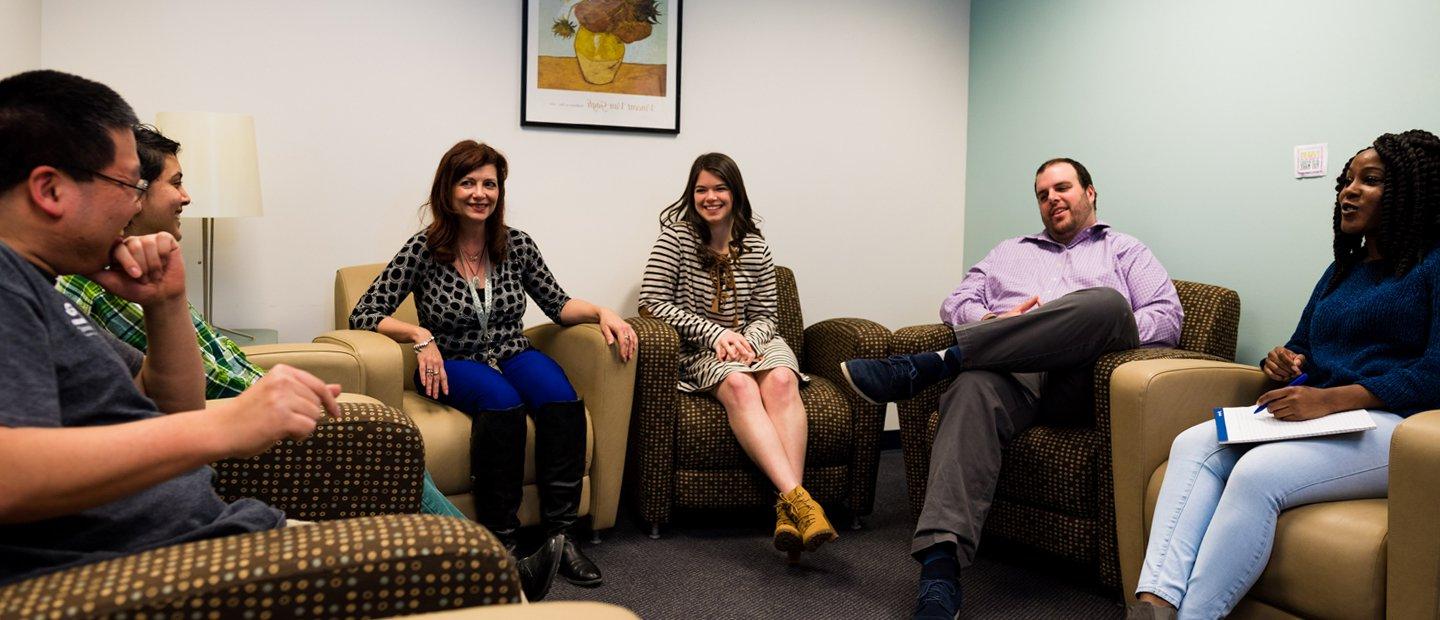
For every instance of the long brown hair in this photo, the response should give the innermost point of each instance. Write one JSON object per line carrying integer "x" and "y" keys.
{"x": 443, "y": 233}
{"x": 683, "y": 210}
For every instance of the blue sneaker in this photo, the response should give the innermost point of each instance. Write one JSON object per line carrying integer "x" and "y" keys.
{"x": 939, "y": 599}
{"x": 881, "y": 381}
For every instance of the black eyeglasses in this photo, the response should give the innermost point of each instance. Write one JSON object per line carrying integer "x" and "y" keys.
{"x": 140, "y": 186}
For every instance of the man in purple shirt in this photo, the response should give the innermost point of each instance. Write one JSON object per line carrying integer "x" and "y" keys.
{"x": 1030, "y": 320}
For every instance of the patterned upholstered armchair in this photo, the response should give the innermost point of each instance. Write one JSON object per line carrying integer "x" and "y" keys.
{"x": 367, "y": 463}
{"x": 1055, "y": 492}
{"x": 684, "y": 456}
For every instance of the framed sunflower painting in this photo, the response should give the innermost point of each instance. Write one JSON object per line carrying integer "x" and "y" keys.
{"x": 601, "y": 64}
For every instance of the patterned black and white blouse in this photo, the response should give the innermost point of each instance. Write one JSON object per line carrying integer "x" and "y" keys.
{"x": 443, "y": 303}
{"x": 701, "y": 300}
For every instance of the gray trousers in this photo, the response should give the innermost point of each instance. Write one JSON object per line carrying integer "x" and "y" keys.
{"x": 1016, "y": 369}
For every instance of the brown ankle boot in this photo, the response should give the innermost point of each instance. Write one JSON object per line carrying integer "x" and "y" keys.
{"x": 809, "y": 518}
{"x": 787, "y": 537}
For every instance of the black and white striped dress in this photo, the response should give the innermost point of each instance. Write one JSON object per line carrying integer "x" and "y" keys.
{"x": 680, "y": 290}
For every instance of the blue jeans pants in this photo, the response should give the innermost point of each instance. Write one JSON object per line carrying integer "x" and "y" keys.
{"x": 1214, "y": 523}
{"x": 493, "y": 398}
{"x": 527, "y": 378}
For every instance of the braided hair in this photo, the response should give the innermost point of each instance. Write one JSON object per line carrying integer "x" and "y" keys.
{"x": 1409, "y": 204}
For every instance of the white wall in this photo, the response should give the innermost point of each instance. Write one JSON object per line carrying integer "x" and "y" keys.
{"x": 19, "y": 36}
{"x": 848, "y": 121}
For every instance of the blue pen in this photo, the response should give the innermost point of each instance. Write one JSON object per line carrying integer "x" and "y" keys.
{"x": 1293, "y": 382}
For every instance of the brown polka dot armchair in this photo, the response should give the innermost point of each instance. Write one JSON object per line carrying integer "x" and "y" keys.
{"x": 683, "y": 455}
{"x": 367, "y": 463}
{"x": 1055, "y": 492}
{"x": 355, "y": 568}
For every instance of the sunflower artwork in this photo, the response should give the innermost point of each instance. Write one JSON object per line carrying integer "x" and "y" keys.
{"x": 604, "y": 46}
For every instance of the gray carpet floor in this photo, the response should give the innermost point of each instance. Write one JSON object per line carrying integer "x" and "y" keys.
{"x": 726, "y": 568}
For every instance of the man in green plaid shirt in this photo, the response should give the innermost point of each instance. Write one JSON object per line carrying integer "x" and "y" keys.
{"x": 227, "y": 371}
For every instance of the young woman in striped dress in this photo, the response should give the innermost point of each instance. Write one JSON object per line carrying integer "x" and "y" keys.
{"x": 710, "y": 276}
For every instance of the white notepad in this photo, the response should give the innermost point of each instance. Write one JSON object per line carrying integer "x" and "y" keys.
{"x": 1239, "y": 425}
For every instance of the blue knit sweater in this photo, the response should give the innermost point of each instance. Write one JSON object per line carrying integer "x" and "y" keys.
{"x": 1376, "y": 330}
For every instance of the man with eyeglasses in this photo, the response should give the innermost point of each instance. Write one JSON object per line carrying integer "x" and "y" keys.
{"x": 1030, "y": 320}
{"x": 90, "y": 467}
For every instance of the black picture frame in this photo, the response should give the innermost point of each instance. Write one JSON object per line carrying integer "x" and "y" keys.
{"x": 561, "y": 107}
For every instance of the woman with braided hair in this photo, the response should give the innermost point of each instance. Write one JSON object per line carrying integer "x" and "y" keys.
{"x": 1369, "y": 338}
{"x": 710, "y": 276}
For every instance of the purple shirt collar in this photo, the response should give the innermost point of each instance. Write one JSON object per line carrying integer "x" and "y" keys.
{"x": 1044, "y": 236}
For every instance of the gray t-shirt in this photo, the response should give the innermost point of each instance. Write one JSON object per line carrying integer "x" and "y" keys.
{"x": 59, "y": 370}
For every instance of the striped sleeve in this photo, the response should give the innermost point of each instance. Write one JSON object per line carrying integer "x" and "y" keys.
{"x": 760, "y": 308}
{"x": 657, "y": 292}
{"x": 391, "y": 286}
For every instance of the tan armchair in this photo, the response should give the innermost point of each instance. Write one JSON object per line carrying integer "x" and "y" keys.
{"x": 599, "y": 377}
{"x": 1054, "y": 492}
{"x": 1371, "y": 558}
{"x": 330, "y": 362}
{"x": 686, "y": 457}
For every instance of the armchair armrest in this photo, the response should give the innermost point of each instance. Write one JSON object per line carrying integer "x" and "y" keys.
{"x": 382, "y": 362}
{"x": 827, "y": 344}
{"x": 919, "y": 339}
{"x": 1105, "y": 369}
{"x": 1414, "y": 537}
{"x": 352, "y": 568}
{"x": 370, "y": 461}
{"x": 914, "y": 414}
{"x": 608, "y": 387}
{"x": 830, "y": 342}
{"x": 652, "y": 461}
{"x": 331, "y": 363}
{"x": 1151, "y": 402}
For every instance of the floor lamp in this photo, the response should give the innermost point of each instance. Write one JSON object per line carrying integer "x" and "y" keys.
{"x": 222, "y": 175}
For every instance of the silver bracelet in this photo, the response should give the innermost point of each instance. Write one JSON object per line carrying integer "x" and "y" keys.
{"x": 421, "y": 345}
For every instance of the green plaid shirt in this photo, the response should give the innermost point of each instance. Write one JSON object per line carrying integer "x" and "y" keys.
{"x": 227, "y": 372}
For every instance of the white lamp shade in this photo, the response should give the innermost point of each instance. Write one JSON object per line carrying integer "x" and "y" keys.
{"x": 219, "y": 159}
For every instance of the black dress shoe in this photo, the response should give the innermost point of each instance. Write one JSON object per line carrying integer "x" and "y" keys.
{"x": 578, "y": 569}
{"x": 537, "y": 572}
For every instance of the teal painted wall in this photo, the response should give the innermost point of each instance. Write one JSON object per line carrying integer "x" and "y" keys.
{"x": 1186, "y": 114}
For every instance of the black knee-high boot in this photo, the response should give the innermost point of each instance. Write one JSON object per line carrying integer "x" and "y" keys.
{"x": 497, "y": 469}
{"x": 497, "y": 475}
{"x": 559, "y": 473}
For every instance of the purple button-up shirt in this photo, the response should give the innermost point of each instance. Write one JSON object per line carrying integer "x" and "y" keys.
{"x": 1023, "y": 267}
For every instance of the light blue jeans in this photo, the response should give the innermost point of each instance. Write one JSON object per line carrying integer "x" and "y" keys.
{"x": 433, "y": 502}
{"x": 1214, "y": 522}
